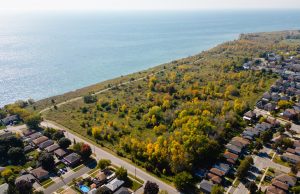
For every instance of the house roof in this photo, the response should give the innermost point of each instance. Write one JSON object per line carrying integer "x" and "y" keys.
{"x": 230, "y": 155}
{"x": 217, "y": 172}
{"x": 123, "y": 190}
{"x": 274, "y": 190}
{"x": 242, "y": 140}
{"x": 60, "y": 152}
{"x": 206, "y": 185}
{"x": 233, "y": 148}
{"x": 214, "y": 178}
{"x": 39, "y": 172}
{"x": 286, "y": 179}
{"x": 26, "y": 177}
{"x": 72, "y": 158}
{"x": 28, "y": 148}
{"x": 40, "y": 140}
{"x": 114, "y": 184}
{"x": 291, "y": 156}
{"x": 101, "y": 176}
{"x": 237, "y": 143}
{"x": 52, "y": 148}
{"x": 46, "y": 144}
{"x": 250, "y": 114}
{"x": 28, "y": 132}
{"x": 9, "y": 119}
{"x": 35, "y": 136}
{"x": 222, "y": 166}
{"x": 290, "y": 150}
{"x": 280, "y": 185}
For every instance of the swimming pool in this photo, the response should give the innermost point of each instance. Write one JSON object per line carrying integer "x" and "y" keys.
{"x": 84, "y": 188}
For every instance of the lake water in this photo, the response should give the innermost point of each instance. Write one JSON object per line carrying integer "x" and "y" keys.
{"x": 45, "y": 54}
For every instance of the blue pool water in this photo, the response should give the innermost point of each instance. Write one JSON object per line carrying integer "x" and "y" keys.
{"x": 45, "y": 54}
{"x": 84, "y": 188}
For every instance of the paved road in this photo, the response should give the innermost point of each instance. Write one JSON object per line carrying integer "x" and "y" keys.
{"x": 100, "y": 153}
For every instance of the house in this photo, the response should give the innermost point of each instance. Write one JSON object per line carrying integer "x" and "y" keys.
{"x": 39, "y": 140}
{"x": 52, "y": 148}
{"x": 275, "y": 97}
{"x": 280, "y": 185}
{"x": 250, "y": 116}
{"x": 40, "y": 173}
{"x": 217, "y": 172}
{"x": 266, "y": 96}
{"x": 27, "y": 177}
{"x": 9, "y": 120}
{"x": 28, "y": 132}
{"x": 242, "y": 140}
{"x": 5, "y": 134}
{"x": 270, "y": 107}
{"x": 60, "y": 153}
{"x": 123, "y": 190}
{"x": 222, "y": 166}
{"x": 237, "y": 143}
{"x": 206, "y": 186}
{"x": 28, "y": 148}
{"x": 285, "y": 178}
{"x": 289, "y": 114}
{"x": 231, "y": 158}
{"x": 274, "y": 190}
{"x": 35, "y": 136}
{"x": 114, "y": 184}
{"x": 101, "y": 177}
{"x": 233, "y": 149}
{"x": 214, "y": 178}
{"x": 46, "y": 144}
{"x": 291, "y": 158}
{"x": 72, "y": 159}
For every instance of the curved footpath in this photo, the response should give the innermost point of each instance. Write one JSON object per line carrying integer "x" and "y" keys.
{"x": 102, "y": 154}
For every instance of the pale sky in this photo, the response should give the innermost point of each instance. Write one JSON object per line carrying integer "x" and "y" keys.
{"x": 146, "y": 4}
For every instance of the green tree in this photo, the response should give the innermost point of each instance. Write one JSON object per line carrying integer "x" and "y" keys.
{"x": 47, "y": 161}
{"x": 121, "y": 173}
{"x": 252, "y": 187}
{"x": 33, "y": 121}
{"x": 217, "y": 190}
{"x": 183, "y": 180}
{"x": 103, "y": 164}
{"x": 244, "y": 167}
{"x": 151, "y": 188}
{"x": 16, "y": 155}
{"x": 64, "y": 142}
{"x": 24, "y": 187}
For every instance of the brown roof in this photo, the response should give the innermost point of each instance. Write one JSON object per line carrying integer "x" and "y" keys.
{"x": 242, "y": 140}
{"x": 274, "y": 190}
{"x": 290, "y": 150}
{"x": 40, "y": 140}
{"x": 280, "y": 185}
{"x": 231, "y": 161}
{"x": 286, "y": 179}
{"x": 52, "y": 148}
{"x": 214, "y": 178}
{"x": 101, "y": 176}
{"x": 217, "y": 172}
{"x": 60, "y": 152}
{"x": 230, "y": 155}
{"x": 39, "y": 172}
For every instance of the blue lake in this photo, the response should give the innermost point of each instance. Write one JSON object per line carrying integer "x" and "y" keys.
{"x": 46, "y": 54}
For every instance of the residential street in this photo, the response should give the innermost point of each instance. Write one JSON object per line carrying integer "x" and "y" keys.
{"x": 100, "y": 153}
